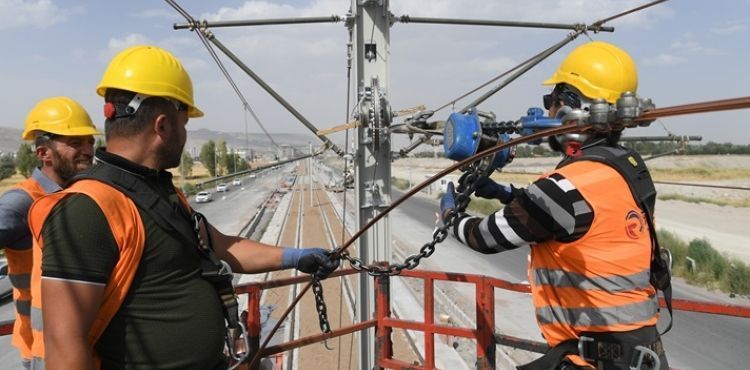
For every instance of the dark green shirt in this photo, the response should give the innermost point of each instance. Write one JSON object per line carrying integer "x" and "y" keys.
{"x": 171, "y": 318}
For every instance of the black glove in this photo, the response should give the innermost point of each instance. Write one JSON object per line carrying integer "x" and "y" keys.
{"x": 317, "y": 261}
{"x": 486, "y": 188}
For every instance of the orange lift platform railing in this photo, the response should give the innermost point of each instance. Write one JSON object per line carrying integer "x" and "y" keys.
{"x": 483, "y": 332}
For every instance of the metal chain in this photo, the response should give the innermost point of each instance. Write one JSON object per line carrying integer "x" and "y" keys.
{"x": 320, "y": 305}
{"x": 465, "y": 188}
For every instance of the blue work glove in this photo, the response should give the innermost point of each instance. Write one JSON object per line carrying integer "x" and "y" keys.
{"x": 486, "y": 188}
{"x": 317, "y": 261}
{"x": 448, "y": 201}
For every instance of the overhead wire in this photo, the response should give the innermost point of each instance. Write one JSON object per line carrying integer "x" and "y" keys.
{"x": 246, "y": 106}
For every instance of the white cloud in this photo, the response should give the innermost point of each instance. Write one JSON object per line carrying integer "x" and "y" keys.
{"x": 116, "y": 45}
{"x": 156, "y": 13}
{"x": 689, "y": 44}
{"x": 559, "y": 11}
{"x": 665, "y": 59}
{"x": 31, "y": 13}
{"x": 729, "y": 29}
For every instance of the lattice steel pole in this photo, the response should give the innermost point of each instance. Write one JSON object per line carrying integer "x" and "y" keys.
{"x": 372, "y": 21}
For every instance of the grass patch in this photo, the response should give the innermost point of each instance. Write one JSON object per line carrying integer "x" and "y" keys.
{"x": 711, "y": 269}
{"x": 699, "y": 173}
{"x": 484, "y": 207}
{"x": 745, "y": 202}
{"x": 401, "y": 184}
{"x": 480, "y": 206}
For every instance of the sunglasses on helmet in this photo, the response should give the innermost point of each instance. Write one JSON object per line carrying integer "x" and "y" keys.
{"x": 559, "y": 93}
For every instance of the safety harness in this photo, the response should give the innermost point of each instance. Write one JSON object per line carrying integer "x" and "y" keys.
{"x": 180, "y": 220}
{"x": 639, "y": 347}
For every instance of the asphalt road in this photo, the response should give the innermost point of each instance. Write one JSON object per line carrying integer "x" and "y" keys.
{"x": 697, "y": 341}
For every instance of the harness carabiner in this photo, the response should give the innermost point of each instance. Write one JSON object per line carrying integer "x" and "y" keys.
{"x": 230, "y": 338}
{"x": 642, "y": 352}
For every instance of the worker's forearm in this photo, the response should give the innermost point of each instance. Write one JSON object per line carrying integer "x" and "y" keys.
{"x": 244, "y": 255}
{"x": 62, "y": 353}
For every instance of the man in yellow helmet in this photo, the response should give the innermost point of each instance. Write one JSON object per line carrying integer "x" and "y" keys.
{"x": 139, "y": 288}
{"x": 63, "y": 138}
{"x": 589, "y": 226}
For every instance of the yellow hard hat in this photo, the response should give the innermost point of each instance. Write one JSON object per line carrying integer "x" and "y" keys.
{"x": 598, "y": 70}
{"x": 152, "y": 71}
{"x": 60, "y": 116}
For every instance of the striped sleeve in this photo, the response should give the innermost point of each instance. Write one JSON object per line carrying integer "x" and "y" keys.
{"x": 549, "y": 209}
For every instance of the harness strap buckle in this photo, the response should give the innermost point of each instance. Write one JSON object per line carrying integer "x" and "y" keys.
{"x": 642, "y": 352}
{"x": 582, "y": 345}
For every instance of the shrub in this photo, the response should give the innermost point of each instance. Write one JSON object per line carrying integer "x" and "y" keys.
{"x": 401, "y": 184}
{"x": 737, "y": 278}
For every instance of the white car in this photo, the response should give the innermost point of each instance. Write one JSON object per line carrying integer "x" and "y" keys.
{"x": 236, "y": 182}
{"x": 222, "y": 187}
{"x": 252, "y": 176}
{"x": 203, "y": 197}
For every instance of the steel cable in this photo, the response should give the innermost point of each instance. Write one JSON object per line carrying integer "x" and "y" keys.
{"x": 200, "y": 32}
{"x": 739, "y": 103}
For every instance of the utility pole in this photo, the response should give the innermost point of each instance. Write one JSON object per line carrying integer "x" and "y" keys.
{"x": 310, "y": 174}
{"x": 372, "y": 22}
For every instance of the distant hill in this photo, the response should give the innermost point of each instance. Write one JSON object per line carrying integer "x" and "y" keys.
{"x": 257, "y": 142}
{"x": 10, "y": 139}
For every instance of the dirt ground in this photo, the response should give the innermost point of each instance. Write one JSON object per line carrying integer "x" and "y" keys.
{"x": 337, "y": 353}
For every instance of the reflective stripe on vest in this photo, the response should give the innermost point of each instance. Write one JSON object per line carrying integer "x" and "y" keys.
{"x": 599, "y": 316}
{"x": 599, "y": 282}
{"x": 127, "y": 229}
{"x": 610, "y": 284}
{"x": 19, "y": 273}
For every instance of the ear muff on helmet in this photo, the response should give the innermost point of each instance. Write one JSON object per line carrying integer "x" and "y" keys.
{"x": 151, "y": 71}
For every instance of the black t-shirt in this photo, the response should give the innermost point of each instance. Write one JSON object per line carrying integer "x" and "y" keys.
{"x": 170, "y": 319}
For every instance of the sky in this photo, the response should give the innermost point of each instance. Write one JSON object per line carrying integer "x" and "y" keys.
{"x": 686, "y": 51}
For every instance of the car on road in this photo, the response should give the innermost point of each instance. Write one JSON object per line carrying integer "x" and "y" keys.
{"x": 236, "y": 182}
{"x": 203, "y": 197}
{"x": 6, "y": 289}
{"x": 252, "y": 176}
{"x": 222, "y": 187}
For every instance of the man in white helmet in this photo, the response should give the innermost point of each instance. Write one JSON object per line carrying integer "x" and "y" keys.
{"x": 62, "y": 132}
{"x": 589, "y": 226}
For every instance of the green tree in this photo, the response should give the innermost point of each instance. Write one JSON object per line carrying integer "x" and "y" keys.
{"x": 186, "y": 165}
{"x": 241, "y": 163}
{"x": 26, "y": 160}
{"x": 224, "y": 160}
{"x": 100, "y": 143}
{"x": 7, "y": 167}
{"x": 208, "y": 157}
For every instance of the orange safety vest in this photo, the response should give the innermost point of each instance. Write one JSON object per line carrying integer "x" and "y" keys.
{"x": 127, "y": 228}
{"x": 19, "y": 271}
{"x": 600, "y": 282}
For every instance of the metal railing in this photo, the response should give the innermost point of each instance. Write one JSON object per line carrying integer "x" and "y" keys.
{"x": 483, "y": 331}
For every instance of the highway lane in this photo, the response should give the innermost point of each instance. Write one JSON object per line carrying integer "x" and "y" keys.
{"x": 697, "y": 341}
{"x": 230, "y": 211}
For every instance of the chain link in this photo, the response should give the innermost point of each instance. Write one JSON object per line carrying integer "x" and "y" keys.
{"x": 320, "y": 305}
{"x": 466, "y": 186}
